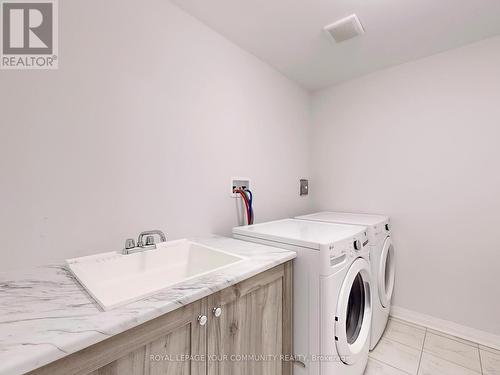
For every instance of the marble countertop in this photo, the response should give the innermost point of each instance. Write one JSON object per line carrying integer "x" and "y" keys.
{"x": 46, "y": 315}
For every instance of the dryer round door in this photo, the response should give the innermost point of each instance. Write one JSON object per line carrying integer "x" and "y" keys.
{"x": 386, "y": 273}
{"x": 354, "y": 313}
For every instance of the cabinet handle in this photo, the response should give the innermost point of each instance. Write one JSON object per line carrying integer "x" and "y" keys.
{"x": 217, "y": 311}
{"x": 202, "y": 320}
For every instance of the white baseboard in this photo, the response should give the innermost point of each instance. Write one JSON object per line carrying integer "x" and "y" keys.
{"x": 481, "y": 337}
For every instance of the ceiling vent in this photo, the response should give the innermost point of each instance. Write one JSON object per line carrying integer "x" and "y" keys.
{"x": 346, "y": 28}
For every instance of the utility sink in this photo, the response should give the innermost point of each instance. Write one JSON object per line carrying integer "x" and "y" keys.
{"x": 114, "y": 279}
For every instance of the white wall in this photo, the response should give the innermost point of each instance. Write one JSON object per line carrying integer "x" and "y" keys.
{"x": 420, "y": 142}
{"x": 143, "y": 125}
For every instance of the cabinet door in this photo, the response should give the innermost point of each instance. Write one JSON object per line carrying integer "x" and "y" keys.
{"x": 249, "y": 335}
{"x": 168, "y": 355}
{"x": 173, "y": 344}
{"x": 132, "y": 363}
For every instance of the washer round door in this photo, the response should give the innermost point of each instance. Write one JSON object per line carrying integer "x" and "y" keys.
{"x": 354, "y": 313}
{"x": 386, "y": 273}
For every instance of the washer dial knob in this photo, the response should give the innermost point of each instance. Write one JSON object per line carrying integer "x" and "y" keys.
{"x": 357, "y": 245}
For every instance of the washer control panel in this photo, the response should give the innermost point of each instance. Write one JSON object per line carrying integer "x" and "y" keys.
{"x": 337, "y": 253}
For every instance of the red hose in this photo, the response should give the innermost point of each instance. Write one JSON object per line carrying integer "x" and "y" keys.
{"x": 247, "y": 205}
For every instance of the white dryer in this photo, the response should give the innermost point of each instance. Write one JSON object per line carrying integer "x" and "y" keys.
{"x": 332, "y": 292}
{"x": 381, "y": 260}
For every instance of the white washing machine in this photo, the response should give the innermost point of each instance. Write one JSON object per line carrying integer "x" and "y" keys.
{"x": 381, "y": 260}
{"x": 331, "y": 292}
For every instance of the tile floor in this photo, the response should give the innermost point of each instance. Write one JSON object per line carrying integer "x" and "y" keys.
{"x": 408, "y": 349}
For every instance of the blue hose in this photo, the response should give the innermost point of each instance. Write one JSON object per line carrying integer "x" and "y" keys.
{"x": 250, "y": 204}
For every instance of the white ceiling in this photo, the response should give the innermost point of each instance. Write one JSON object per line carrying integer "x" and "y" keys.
{"x": 288, "y": 33}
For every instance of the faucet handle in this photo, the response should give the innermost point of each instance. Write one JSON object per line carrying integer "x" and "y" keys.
{"x": 150, "y": 240}
{"x": 129, "y": 243}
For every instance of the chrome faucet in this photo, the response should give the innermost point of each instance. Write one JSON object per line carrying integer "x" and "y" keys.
{"x": 150, "y": 243}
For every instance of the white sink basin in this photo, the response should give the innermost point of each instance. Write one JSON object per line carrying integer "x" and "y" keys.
{"x": 114, "y": 279}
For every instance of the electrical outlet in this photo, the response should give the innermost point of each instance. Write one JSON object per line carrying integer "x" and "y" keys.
{"x": 304, "y": 187}
{"x": 239, "y": 183}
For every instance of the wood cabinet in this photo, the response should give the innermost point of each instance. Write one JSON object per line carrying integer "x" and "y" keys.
{"x": 248, "y": 335}
{"x": 252, "y": 332}
{"x": 167, "y": 354}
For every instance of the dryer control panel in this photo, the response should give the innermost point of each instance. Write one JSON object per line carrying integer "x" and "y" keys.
{"x": 379, "y": 232}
